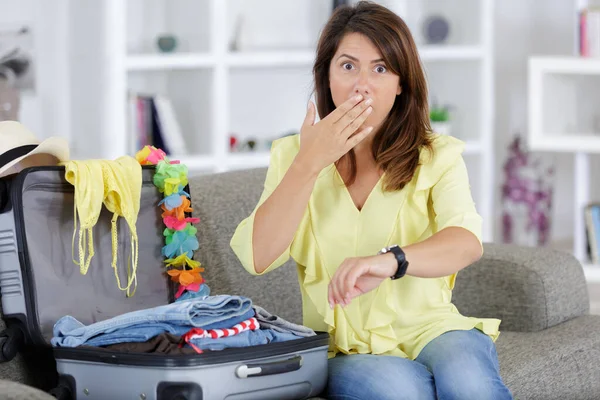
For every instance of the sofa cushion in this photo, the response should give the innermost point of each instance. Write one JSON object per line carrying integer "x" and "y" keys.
{"x": 17, "y": 391}
{"x": 528, "y": 288}
{"x": 557, "y": 363}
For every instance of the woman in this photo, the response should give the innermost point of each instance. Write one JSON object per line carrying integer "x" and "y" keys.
{"x": 369, "y": 176}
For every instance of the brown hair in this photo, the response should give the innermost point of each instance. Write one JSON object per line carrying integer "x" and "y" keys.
{"x": 396, "y": 145}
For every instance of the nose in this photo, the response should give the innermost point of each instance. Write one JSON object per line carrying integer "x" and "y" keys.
{"x": 362, "y": 84}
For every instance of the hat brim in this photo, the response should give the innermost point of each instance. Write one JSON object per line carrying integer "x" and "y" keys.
{"x": 55, "y": 146}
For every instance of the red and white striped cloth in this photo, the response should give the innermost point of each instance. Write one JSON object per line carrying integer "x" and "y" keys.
{"x": 198, "y": 333}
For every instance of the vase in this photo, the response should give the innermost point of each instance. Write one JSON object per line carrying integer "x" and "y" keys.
{"x": 526, "y": 199}
{"x": 442, "y": 128}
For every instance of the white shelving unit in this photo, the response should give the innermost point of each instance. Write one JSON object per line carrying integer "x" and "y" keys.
{"x": 564, "y": 93}
{"x": 259, "y": 91}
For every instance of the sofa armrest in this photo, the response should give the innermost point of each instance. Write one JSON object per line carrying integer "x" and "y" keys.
{"x": 529, "y": 289}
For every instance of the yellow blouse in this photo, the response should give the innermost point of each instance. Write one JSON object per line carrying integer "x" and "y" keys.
{"x": 399, "y": 317}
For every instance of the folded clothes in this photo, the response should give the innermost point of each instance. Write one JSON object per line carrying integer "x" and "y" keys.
{"x": 165, "y": 343}
{"x": 267, "y": 320}
{"x": 222, "y": 311}
{"x": 137, "y": 333}
{"x": 243, "y": 339}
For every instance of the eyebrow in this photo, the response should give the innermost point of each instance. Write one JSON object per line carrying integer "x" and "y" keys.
{"x": 356, "y": 59}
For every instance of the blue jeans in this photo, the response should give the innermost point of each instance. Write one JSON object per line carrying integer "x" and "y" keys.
{"x": 210, "y": 312}
{"x": 245, "y": 339}
{"x": 456, "y": 365}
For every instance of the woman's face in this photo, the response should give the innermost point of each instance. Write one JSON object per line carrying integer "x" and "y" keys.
{"x": 358, "y": 67}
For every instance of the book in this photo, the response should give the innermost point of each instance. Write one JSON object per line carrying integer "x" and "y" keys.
{"x": 589, "y": 32}
{"x": 592, "y": 223}
{"x": 152, "y": 121}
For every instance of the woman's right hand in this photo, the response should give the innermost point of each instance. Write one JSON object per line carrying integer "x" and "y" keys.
{"x": 329, "y": 139}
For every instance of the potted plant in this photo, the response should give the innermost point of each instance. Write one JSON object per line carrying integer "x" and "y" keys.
{"x": 439, "y": 117}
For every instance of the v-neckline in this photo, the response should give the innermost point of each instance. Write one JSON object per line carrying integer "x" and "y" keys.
{"x": 349, "y": 196}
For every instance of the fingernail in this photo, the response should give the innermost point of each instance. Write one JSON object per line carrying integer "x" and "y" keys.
{"x": 358, "y": 97}
{"x": 369, "y": 101}
{"x": 369, "y": 110}
{"x": 331, "y": 305}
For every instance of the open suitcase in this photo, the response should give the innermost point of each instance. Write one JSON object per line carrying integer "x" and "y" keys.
{"x": 39, "y": 284}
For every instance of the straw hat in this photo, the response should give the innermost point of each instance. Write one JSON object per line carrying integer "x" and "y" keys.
{"x": 19, "y": 149}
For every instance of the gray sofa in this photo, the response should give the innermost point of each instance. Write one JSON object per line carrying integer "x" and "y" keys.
{"x": 549, "y": 347}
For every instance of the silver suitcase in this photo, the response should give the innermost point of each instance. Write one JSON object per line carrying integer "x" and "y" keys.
{"x": 40, "y": 283}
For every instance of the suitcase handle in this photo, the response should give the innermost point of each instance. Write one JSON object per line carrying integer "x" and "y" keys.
{"x": 4, "y": 193}
{"x": 269, "y": 368}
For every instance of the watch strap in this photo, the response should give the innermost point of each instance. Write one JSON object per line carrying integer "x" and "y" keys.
{"x": 402, "y": 263}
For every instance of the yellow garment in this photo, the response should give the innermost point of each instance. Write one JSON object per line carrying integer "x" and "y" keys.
{"x": 399, "y": 317}
{"x": 116, "y": 184}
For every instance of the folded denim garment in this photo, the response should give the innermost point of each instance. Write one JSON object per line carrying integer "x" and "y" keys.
{"x": 208, "y": 312}
{"x": 243, "y": 339}
{"x": 266, "y": 320}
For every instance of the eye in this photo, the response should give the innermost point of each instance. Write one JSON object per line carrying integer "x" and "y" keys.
{"x": 380, "y": 69}
{"x": 347, "y": 66}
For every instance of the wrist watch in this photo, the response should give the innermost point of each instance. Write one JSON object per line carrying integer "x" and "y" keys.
{"x": 400, "y": 258}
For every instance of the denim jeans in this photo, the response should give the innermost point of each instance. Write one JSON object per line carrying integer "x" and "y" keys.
{"x": 244, "y": 339}
{"x": 456, "y": 365}
{"x": 210, "y": 312}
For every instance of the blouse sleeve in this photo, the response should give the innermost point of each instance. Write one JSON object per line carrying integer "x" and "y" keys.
{"x": 241, "y": 242}
{"x": 453, "y": 203}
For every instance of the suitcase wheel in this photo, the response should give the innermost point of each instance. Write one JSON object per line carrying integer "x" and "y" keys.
{"x": 63, "y": 391}
{"x": 10, "y": 342}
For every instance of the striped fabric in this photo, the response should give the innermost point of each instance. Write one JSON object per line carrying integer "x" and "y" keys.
{"x": 198, "y": 333}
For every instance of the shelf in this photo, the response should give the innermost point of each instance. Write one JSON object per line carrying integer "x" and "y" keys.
{"x": 258, "y": 159}
{"x": 196, "y": 162}
{"x": 563, "y": 98}
{"x": 435, "y": 53}
{"x": 569, "y": 143}
{"x": 303, "y": 58}
{"x": 169, "y": 61}
{"x": 565, "y": 65}
{"x": 275, "y": 58}
{"x": 592, "y": 273}
{"x": 248, "y": 160}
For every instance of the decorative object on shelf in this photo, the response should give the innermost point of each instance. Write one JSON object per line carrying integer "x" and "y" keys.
{"x": 233, "y": 143}
{"x": 171, "y": 178}
{"x": 436, "y": 29}
{"x": 16, "y": 59}
{"x": 526, "y": 197}
{"x": 439, "y": 117}
{"x": 9, "y": 101}
{"x": 166, "y": 43}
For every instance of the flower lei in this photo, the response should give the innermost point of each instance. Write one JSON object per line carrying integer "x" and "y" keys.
{"x": 171, "y": 178}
